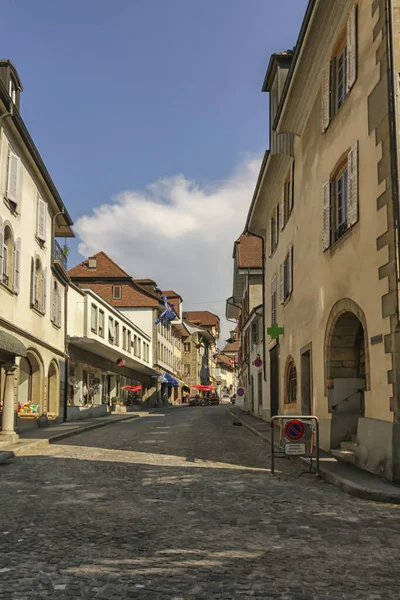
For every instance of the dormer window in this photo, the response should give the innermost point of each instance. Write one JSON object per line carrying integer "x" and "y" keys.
{"x": 92, "y": 263}
{"x": 12, "y": 90}
{"x": 117, "y": 292}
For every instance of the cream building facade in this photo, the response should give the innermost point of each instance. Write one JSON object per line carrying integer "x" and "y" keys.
{"x": 326, "y": 203}
{"x": 33, "y": 278}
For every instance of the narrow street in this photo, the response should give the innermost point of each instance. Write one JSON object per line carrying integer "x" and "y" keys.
{"x": 181, "y": 505}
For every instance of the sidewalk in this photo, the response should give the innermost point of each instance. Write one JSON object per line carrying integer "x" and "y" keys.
{"x": 54, "y": 433}
{"x": 349, "y": 478}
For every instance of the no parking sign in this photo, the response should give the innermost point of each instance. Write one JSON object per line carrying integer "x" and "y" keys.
{"x": 241, "y": 392}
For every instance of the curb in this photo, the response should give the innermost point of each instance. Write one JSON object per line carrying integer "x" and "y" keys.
{"x": 6, "y": 455}
{"x": 249, "y": 428}
{"x": 346, "y": 485}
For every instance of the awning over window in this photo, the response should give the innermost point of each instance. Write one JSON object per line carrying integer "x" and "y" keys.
{"x": 11, "y": 345}
{"x": 167, "y": 379}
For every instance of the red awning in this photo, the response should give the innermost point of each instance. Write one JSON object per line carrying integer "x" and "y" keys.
{"x": 203, "y": 388}
{"x": 132, "y": 388}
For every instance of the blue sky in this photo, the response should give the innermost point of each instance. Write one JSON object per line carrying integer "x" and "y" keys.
{"x": 120, "y": 95}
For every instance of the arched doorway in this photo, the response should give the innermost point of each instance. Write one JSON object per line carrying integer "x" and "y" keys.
{"x": 30, "y": 385}
{"x": 53, "y": 389}
{"x": 347, "y": 370}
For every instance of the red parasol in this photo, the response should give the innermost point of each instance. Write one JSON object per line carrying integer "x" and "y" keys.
{"x": 203, "y": 388}
{"x": 132, "y": 388}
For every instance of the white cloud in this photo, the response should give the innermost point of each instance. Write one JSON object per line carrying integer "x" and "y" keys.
{"x": 178, "y": 233}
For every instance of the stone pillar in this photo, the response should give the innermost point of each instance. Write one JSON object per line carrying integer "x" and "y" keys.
{"x": 7, "y": 432}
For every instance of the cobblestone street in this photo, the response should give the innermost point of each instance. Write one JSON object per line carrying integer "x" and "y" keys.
{"x": 181, "y": 505}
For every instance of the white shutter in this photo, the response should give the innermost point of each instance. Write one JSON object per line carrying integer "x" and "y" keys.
{"x": 17, "y": 264}
{"x": 351, "y": 49}
{"x": 290, "y": 270}
{"x": 59, "y": 301}
{"x": 326, "y": 215}
{"x": 41, "y": 219}
{"x": 44, "y": 290}
{"x": 33, "y": 282}
{"x": 13, "y": 177}
{"x": 352, "y": 183}
{"x": 291, "y": 188}
{"x": 53, "y": 300}
{"x": 325, "y": 97}
{"x": 1, "y": 248}
{"x": 282, "y": 210}
{"x": 270, "y": 238}
{"x": 281, "y": 283}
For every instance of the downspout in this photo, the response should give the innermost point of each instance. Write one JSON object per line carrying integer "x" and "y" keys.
{"x": 394, "y": 172}
{"x": 247, "y": 230}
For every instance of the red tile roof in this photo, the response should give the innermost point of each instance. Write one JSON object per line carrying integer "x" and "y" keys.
{"x": 130, "y": 296}
{"x": 248, "y": 250}
{"x": 231, "y": 347}
{"x": 105, "y": 267}
{"x": 202, "y": 317}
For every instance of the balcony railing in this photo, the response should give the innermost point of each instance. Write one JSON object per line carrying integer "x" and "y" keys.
{"x": 59, "y": 255}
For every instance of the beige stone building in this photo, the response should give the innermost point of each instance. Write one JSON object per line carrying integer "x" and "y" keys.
{"x": 33, "y": 277}
{"x": 199, "y": 348}
{"x": 326, "y": 202}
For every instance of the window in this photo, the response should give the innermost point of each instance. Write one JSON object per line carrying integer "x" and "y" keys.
{"x": 55, "y": 316}
{"x": 291, "y": 383}
{"x": 111, "y": 330}
{"x": 259, "y": 389}
{"x": 38, "y": 285}
{"x": 273, "y": 232}
{"x": 158, "y": 351}
{"x": 7, "y": 257}
{"x": 13, "y": 174}
{"x": 340, "y": 74}
{"x": 286, "y": 205}
{"x": 93, "y": 318}
{"x": 135, "y": 345}
{"x": 286, "y": 276}
{"x": 123, "y": 338}
{"x": 101, "y": 323}
{"x": 260, "y": 325}
{"x": 41, "y": 211}
{"x": 129, "y": 342}
{"x": 186, "y": 369}
{"x": 139, "y": 348}
{"x": 116, "y": 333}
{"x": 117, "y": 292}
{"x": 12, "y": 90}
{"x": 186, "y": 347}
{"x": 92, "y": 263}
{"x": 254, "y": 328}
{"x": 340, "y": 200}
{"x": 273, "y": 300}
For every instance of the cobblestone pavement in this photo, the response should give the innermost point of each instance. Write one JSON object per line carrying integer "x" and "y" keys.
{"x": 182, "y": 506}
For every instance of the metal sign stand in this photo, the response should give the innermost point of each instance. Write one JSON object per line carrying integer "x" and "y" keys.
{"x": 311, "y": 419}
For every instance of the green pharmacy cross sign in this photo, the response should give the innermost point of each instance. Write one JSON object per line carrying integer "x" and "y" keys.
{"x": 275, "y": 331}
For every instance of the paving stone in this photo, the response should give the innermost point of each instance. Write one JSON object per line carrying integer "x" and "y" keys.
{"x": 123, "y": 512}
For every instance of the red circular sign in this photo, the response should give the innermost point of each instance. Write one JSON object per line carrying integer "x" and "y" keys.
{"x": 258, "y": 362}
{"x": 294, "y": 430}
{"x": 240, "y": 392}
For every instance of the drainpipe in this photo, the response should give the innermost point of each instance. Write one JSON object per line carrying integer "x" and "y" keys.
{"x": 394, "y": 173}
{"x": 247, "y": 230}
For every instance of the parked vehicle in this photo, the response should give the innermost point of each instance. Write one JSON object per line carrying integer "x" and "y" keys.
{"x": 225, "y": 398}
{"x": 233, "y": 399}
{"x": 194, "y": 401}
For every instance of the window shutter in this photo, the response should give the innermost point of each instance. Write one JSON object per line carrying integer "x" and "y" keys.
{"x": 282, "y": 210}
{"x": 53, "y": 300}
{"x": 1, "y": 247}
{"x": 281, "y": 283}
{"x": 59, "y": 301}
{"x": 290, "y": 270}
{"x": 326, "y": 215}
{"x": 277, "y": 225}
{"x": 41, "y": 219}
{"x": 270, "y": 238}
{"x": 44, "y": 290}
{"x": 33, "y": 282}
{"x": 352, "y": 49}
{"x": 17, "y": 264}
{"x": 13, "y": 177}
{"x": 352, "y": 183}
{"x": 325, "y": 97}
{"x": 291, "y": 188}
